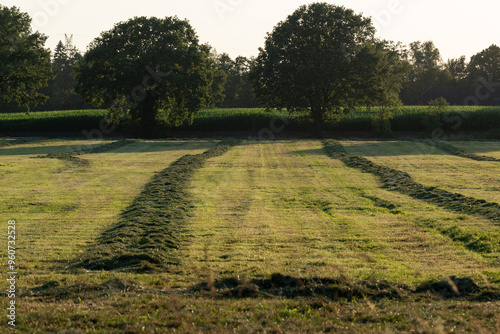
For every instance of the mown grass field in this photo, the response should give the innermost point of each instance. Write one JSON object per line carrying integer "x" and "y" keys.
{"x": 253, "y": 236}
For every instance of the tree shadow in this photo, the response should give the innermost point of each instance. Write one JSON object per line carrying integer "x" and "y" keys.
{"x": 376, "y": 148}
{"x": 137, "y": 147}
{"x": 368, "y": 149}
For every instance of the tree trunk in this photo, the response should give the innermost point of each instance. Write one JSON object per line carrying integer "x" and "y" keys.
{"x": 148, "y": 117}
{"x": 317, "y": 116}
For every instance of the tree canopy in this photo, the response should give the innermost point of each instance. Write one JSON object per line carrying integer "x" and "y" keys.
{"x": 458, "y": 70}
{"x": 427, "y": 70}
{"x": 485, "y": 65}
{"x": 151, "y": 70}
{"x": 325, "y": 59}
{"x": 24, "y": 62}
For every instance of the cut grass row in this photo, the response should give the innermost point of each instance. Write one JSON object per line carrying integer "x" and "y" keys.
{"x": 397, "y": 180}
{"x": 434, "y": 167}
{"x": 323, "y": 217}
{"x": 151, "y": 229}
{"x": 62, "y": 210}
{"x": 325, "y": 207}
{"x": 216, "y": 120}
{"x": 459, "y": 152}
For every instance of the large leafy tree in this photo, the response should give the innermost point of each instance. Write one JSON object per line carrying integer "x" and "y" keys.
{"x": 485, "y": 65}
{"x": 324, "y": 59}
{"x": 151, "y": 70}
{"x": 24, "y": 62}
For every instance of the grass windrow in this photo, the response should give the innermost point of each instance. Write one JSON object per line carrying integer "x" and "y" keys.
{"x": 402, "y": 182}
{"x": 152, "y": 227}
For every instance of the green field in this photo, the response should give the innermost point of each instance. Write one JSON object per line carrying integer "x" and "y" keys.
{"x": 483, "y": 121}
{"x": 253, "y": 236}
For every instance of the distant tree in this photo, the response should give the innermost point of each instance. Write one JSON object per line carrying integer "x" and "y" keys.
{"x": 427, "y": 70}
{"x": 61, "y": 90}
{"x": 485, "y": 65}
{"x": 24, "y": 62}
{"x": 153, "y": 71}
{"x": 245, "y": 96}
{"x": 324, "y": 59}
{"x": 458, "y": 70}
{"x": 225, "y": 64}
{"x": 217, "y": 91}
{"x": 238, "y": 88}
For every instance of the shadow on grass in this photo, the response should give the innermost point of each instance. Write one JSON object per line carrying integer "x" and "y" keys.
{"x": 73, "y": 157}
{"x": 417, "y": 148}
{"x": 137, "y": 147}
{"x": 376, "y": 148}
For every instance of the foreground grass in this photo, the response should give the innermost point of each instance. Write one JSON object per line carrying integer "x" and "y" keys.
{"x": 130, "y": 312}
{"x": 331, "y": 232}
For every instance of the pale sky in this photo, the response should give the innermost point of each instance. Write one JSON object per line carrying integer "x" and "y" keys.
{"x": 239, "y": 27}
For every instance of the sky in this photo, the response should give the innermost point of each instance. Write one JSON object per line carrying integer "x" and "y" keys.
{"x": 239, "y": 27}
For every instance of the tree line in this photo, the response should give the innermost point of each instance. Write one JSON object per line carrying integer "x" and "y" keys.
{"x": 322, "y": 59}
{"x": 428, "y": 70}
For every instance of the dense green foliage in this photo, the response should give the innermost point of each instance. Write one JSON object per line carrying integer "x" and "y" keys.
{"x": 152, "y": 71}
{"x": 427, "y": 70}
{"x": 24, "y": 62}
{"x": 455, "y": 119}
{"x": 485, "y": 65}
{"x": 61, "y": 89}
{"x": 322, "y": 58}
{"x": 52, "y": 121}
{"x": 236, "y": 88}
